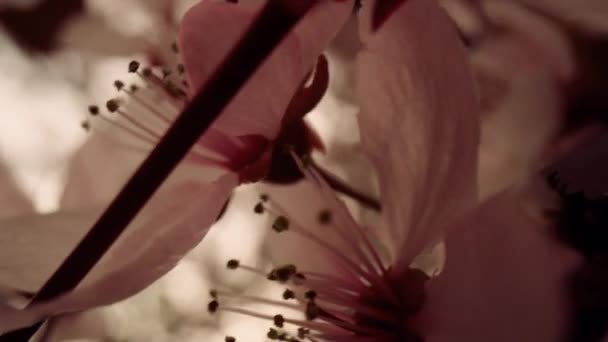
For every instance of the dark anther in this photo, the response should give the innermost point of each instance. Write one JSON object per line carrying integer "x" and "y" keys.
{"x": 312, "y": 311}
{"x": 133, "y": 66}
{"x": 272, "y": 334}
{"x": 133, "y": 88}
{"x": 280, "y": 224}
{"x": 147, "y": 72}
{"x": 278, "y": 321}
{"x": 118, "y": 84}
{"x": 302, "y": 332}
{"x": 259, "y": 208}
{"x": 310, "y": 295}
{"x": 230, "y": 339}
{"x": 174, "y": 47}
{"x": 232, "y": 264}
{"x": 325, "y": 216}
{"x": 264, "y": 197}
{"x": 213, "y": 306}
{"x": 166, "y": 72}
{"x": 93, "y": 110}
{"x": 213, "y": 294}
{"x": 283, "y": 273}
{"x": 86, "y": 125}
{"x": 288, "y": 294}
{"x": 112, "y": 105}
{"x": 181, "y": 69}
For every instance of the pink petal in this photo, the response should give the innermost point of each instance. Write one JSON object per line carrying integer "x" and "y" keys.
{"x": 419, "y": 121}
{"x": 166, "y": 230}
{"x": 503, "y": 280}
{"x": 210, "y": 29}
{"x": 14, "y": 202}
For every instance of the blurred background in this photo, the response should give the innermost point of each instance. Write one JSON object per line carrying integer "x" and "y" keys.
{"x": 541, "y": 71}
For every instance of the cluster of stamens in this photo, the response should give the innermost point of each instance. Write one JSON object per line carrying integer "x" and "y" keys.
{"x": 145, "y": 109}
{"x": 363, "y": 301}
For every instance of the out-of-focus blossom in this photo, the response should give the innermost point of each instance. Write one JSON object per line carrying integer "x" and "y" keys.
{"x": 419, "y": 124}
{"x": 167, "y": 229}
{"x": 523, "y": 62}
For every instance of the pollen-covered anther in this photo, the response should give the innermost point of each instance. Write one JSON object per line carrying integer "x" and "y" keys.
{"x": 258, "y": 208}
{"x": 310, "y": 295}
{"x": 289, "y": 294}
{"x": 119, "y": 85}
{"x": 232, "y": 264}
{"x": 93, "y": 110}
{"x": 272, "y": 334}
{"x": 112, "y": 105}
{"x": 282, "y": 274}
{"x": 280, "y": 224}
{"x": 213, "y": 306}
{"x": 278, "y": 321}
{"x": 133, "y": 66}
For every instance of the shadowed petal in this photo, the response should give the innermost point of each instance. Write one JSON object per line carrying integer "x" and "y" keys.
{"x": 173, "y": 223}
{"x": 504, "y": 280}
{"x": 419, "y": 121}
{"x": 210, "y": 29}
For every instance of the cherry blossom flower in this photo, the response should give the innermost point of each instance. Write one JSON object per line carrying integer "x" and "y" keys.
{"x": 235, "y": 149}
{"x": 503, "y": 279}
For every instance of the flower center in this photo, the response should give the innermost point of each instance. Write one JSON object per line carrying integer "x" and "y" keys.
{"x": 363, "y": 300}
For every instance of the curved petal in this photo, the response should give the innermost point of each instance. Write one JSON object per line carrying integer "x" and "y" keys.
{"x": 504, "y": 280}
{"x": 419, "y": 121}
{"x": 211, "y": 28}
{"x": 174, "y": 222}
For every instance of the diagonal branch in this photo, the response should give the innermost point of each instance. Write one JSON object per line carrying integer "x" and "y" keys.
{"x": 272, "y": 24}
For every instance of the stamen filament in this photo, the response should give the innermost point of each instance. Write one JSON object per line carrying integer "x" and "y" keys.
{"x": 148, "y": 106}
{"x": 340, "y": 186}
{"x": 318, "y": 326}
